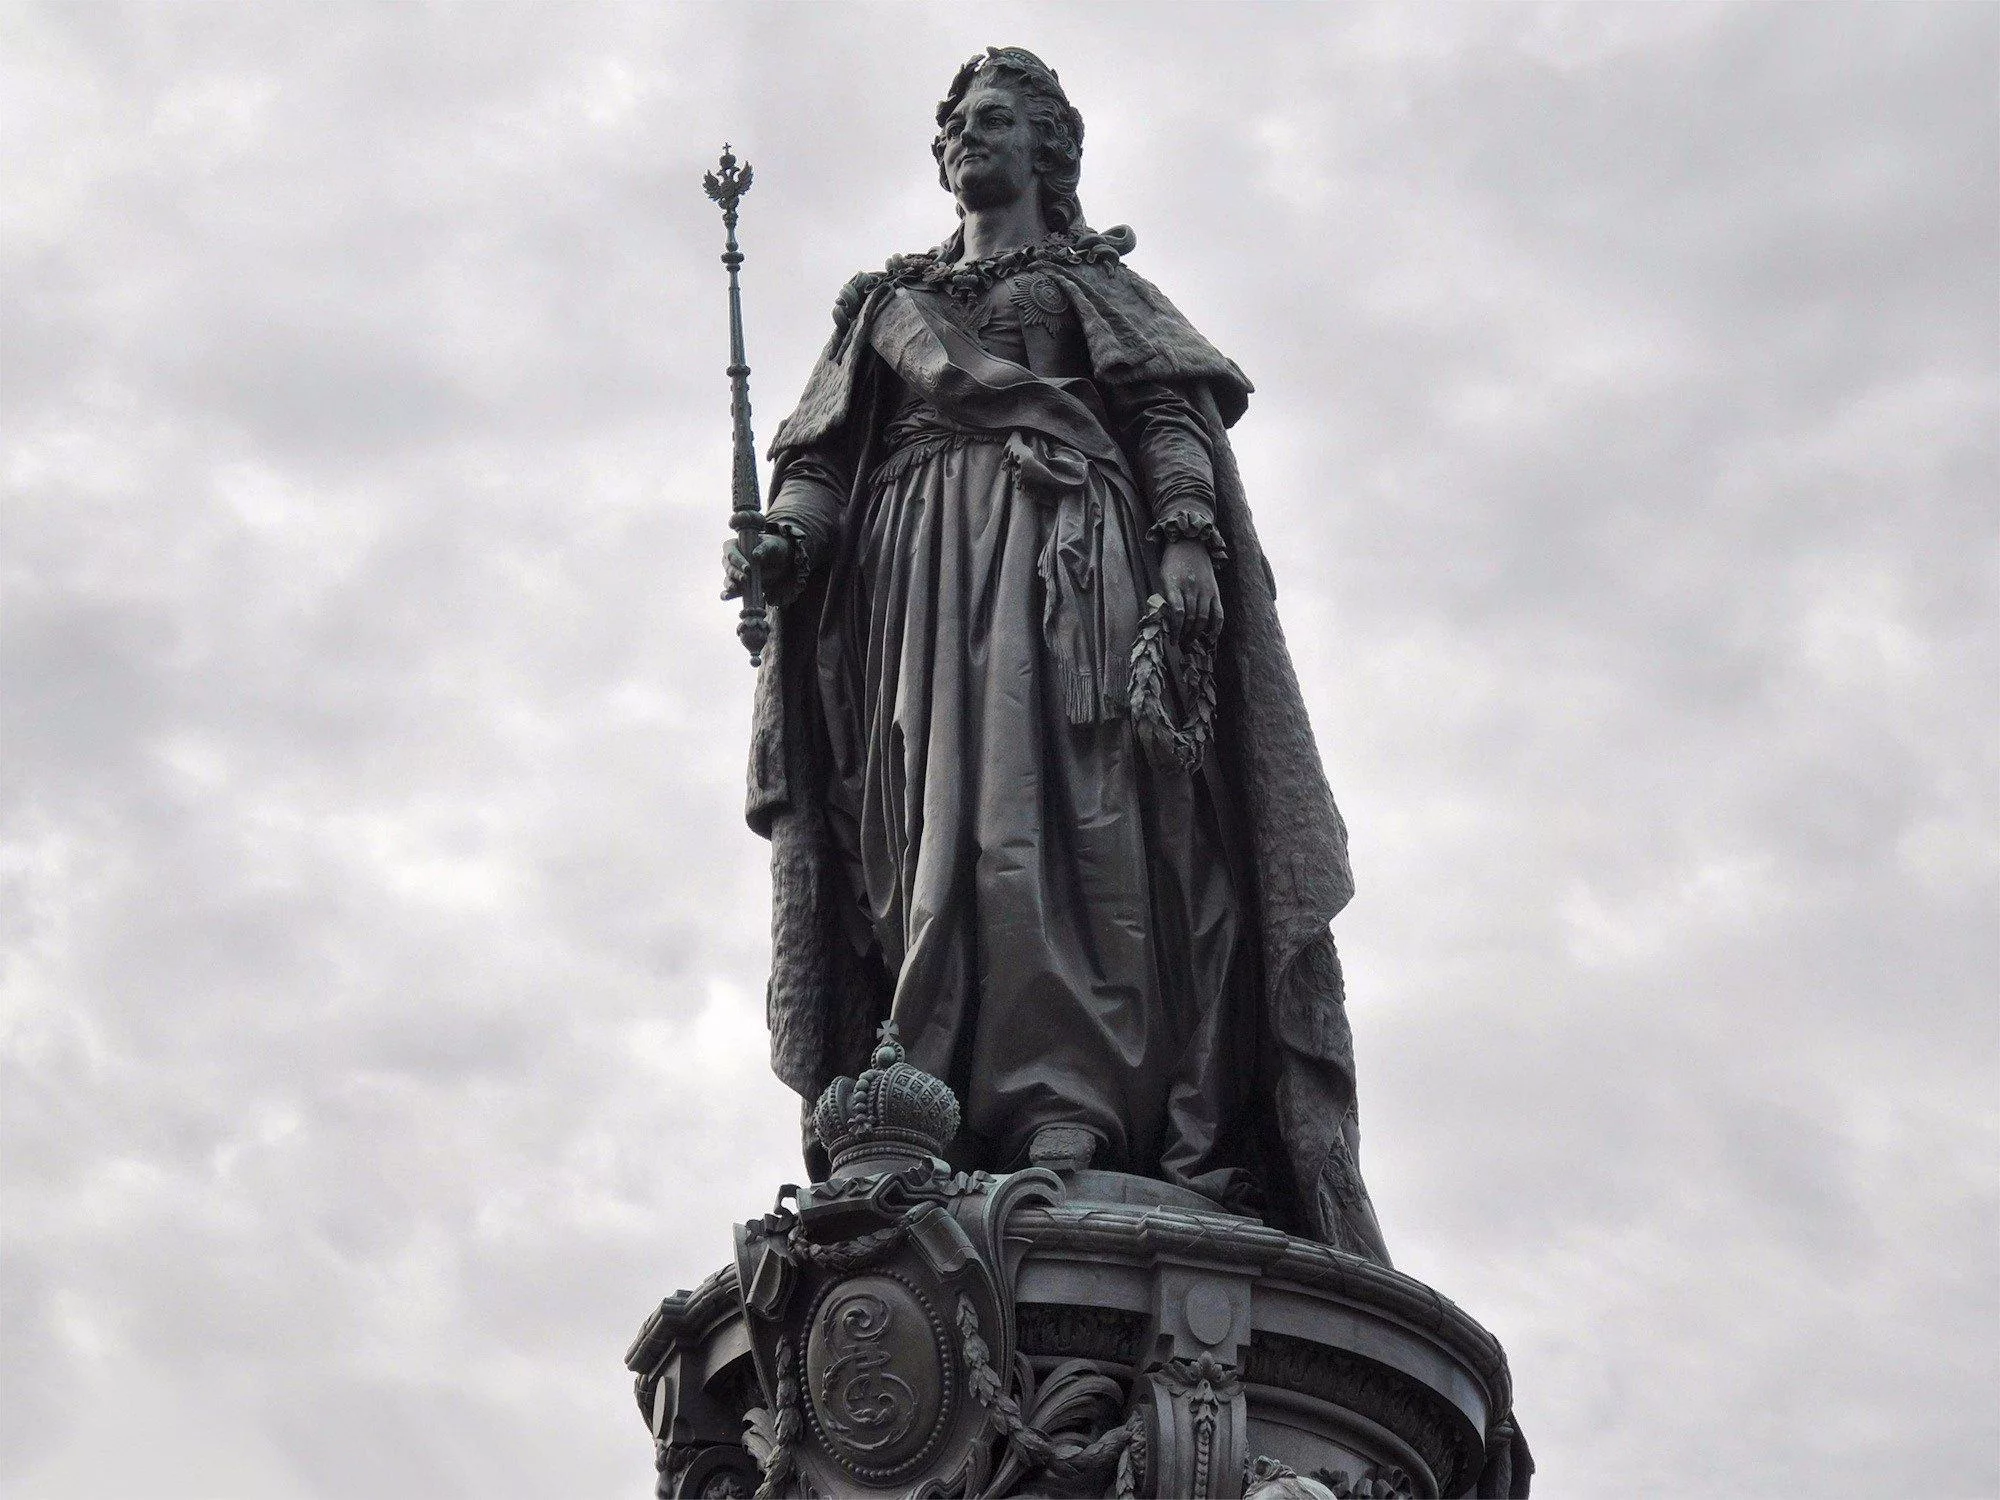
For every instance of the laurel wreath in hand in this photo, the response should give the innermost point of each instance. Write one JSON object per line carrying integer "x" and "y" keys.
{"x": 1178, "y": 746}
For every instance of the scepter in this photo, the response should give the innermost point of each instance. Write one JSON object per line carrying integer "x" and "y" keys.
{"x": 727, "y": 186}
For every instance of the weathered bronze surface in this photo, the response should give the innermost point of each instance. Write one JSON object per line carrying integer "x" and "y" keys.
{"x": 1029, "y": 746}
{"x": 1054, "y": 861}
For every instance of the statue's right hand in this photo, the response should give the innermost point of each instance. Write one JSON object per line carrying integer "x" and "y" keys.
{"x": 774, "y": 557}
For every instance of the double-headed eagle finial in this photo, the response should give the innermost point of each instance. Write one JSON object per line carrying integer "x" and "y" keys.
{"x": 726, "y": 185}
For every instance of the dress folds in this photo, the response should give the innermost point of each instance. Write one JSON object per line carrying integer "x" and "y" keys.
{"x": 966, "y": 832}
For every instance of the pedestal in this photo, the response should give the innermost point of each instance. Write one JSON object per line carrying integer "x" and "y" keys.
{"x": 915, "y": 1331}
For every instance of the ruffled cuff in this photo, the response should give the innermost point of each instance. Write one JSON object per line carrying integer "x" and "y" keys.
{"x": 1186, "y": 523}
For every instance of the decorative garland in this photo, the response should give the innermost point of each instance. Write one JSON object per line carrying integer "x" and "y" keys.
{"x": 780, "y": 1434}
{"x": 1037, "y": 1452}
{"x": 1174, "y": 745}
{"x": 969, "y": 280}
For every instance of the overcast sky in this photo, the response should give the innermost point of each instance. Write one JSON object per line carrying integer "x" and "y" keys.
{"x": 381, "y": 1013}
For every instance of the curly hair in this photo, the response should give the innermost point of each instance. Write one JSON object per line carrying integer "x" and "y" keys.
{"x": 1058, "y": 159}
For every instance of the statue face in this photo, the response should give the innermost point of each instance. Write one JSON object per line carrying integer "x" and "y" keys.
{"x": 989, "y": 148}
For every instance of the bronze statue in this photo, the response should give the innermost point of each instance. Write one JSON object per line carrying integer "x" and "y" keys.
{"x": 1053, "y": 864}
{"x": 1029, "y": 746}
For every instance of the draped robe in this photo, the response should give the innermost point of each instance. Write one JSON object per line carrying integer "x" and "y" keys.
{"x": 964, "y": 828}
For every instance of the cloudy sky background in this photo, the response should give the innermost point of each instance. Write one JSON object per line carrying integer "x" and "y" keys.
{"x": 380, "y": 1018}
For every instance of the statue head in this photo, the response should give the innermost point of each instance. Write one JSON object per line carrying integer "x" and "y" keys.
{"x": 1053, "y": 133}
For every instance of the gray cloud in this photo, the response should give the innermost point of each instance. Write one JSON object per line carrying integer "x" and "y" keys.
{"x": 379, "y": 1000}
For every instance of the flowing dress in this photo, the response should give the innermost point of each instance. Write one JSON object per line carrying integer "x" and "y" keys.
{"x": 1063, "y": 919}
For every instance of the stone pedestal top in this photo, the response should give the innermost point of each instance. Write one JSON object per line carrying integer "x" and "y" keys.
{"x": 1219, "y": 1354}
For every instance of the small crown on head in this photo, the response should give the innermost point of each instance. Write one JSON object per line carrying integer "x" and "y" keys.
{"x": 894, "y": 1109}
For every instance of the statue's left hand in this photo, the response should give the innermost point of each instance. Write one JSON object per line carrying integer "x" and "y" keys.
{"x": 1187, "y": 583}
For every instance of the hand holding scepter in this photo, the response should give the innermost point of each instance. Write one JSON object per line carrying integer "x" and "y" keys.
{"x": 727, "y": 186}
